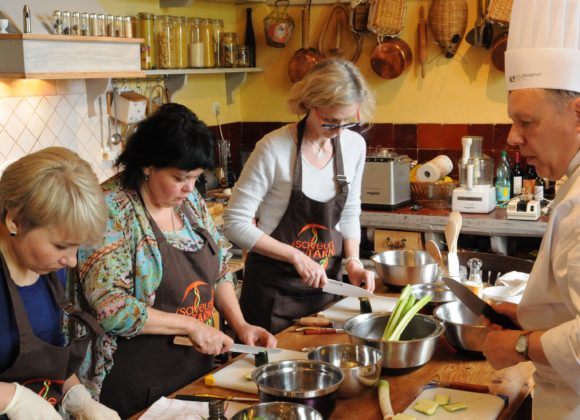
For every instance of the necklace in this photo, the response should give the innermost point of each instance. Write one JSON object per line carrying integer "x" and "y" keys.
{"x": 320, "y": 153}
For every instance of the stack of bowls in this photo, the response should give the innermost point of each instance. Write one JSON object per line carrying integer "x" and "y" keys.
{"x": 463, "y": 328}
{"x": 278, "y": 410}
{"x": 399, "y": 268}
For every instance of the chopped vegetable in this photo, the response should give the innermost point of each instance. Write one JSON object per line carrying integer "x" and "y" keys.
{"x": 385, "y": 399}
{"x": 248, "y": 376}
{"x": 403, "y": 416}
{"x": 455, "y": 406}
{"x": 261, "y": 358}
{"x": 365, "y": 306}
{"x": 209, "y": 380}
{"x": 426, "y": 406}
{"x": 442, "y": 399}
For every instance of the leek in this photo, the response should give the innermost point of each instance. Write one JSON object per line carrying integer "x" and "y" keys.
{"x": 397, "y": 312}
{"x": 402, "y": 324}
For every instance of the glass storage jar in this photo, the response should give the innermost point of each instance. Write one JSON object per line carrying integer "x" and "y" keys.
{"x": 208, "y": 43}
{"x": 229, "y": 49}
{"x": 119, "y": 27}
{"x": 127, "y": 27}
{"x": 75, "y": 23}
{"x": 218, "y": 30}
{"x": 164, "y": 35}
{"x": 93, "y": 25}
{"x": 110, "y": 25}
{"x": 180, "y": 34}
{"x": 57, "y": 22}
{"x": 243, "y": 56}
{"x": 195, "y": 44}
{"x": 102, "y": 25}
{"x": 146, "y": 30}
{"x": 84, "y": 27}
{"x": 65, "y": 23}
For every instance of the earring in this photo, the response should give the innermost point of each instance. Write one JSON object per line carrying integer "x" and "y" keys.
{"x": 146, "y": 178}
{"x": 13, "y": 234}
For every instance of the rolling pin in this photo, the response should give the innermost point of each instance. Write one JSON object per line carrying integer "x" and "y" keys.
{"x": 422, "y": 41}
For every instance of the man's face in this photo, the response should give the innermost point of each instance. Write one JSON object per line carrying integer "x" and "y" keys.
{"x": 546, "y": 130}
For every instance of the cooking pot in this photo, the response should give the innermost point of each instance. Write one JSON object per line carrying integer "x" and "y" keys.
{"x": 309, "y": 382}
{"x": 463, "y": 328}
{"x": 391, "y": 57}
{"x": 361, "y": 366}
{"x": 306, "y": 57}
{"x": 278, "y": 410}
{"x": 414, "y": 349}
{"x": 402, "y": 267}
{"x": 498, "y": 48}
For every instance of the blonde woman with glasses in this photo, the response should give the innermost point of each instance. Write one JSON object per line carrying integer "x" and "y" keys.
{"x": 50, "y": 203}
{"x": 303, "y": 181}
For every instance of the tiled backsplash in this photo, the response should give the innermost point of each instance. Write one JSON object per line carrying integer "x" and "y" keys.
{"x": 30, "y": 123}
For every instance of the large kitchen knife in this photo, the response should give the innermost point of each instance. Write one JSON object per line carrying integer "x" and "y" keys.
{"x": 344, "y": 289}
{"x": 182, "y": 340}
{"x": 477, "y": 305}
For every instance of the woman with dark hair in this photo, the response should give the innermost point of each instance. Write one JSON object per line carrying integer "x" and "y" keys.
{"x": 159, "y": 269}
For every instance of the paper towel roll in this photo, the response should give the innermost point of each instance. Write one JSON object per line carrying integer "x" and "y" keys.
{"x": 435, "y": 169}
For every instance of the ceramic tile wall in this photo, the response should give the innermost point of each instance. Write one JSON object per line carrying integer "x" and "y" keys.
{"x": 29, "y": 123}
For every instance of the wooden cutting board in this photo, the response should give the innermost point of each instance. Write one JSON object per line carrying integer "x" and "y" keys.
{"x": 233, "y": 376}
{"x": 480, "y": 406}
{"x": 350, "y": 306}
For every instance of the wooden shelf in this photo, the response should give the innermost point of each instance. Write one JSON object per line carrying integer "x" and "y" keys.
{"x": 219, "y": 70}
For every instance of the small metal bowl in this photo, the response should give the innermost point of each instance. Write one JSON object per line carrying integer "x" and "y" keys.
{"x": 307, "y": 382}
{"x": 439, "y": 294}
{"x": 415, "y": 348}
{"x": 361, "y": 366}
{"x": 278, "y": 410}
{"x": 463, "y": 328}
{"x": 399, "y": 268}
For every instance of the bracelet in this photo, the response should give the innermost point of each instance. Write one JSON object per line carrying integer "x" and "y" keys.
{"x": 353, "y": 258}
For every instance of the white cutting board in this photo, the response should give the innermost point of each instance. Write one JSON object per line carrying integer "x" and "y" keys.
{"x": 479, "y": 406}
{"x": 350, "y": 306}
{"x": 233, "y": 376}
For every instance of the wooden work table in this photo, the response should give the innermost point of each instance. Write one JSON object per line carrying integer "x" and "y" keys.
{"x": 447, "y": 365}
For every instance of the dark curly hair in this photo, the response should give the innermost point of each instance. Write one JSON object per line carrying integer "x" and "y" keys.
{"x": 172, "y": 137}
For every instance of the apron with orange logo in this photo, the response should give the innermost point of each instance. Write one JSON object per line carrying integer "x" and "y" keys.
{"x": 149, "y": 366}
{"x": 272, "y": 292}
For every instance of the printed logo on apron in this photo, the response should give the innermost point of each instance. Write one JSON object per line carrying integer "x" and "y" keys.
{"x": 48, "y": 389}
{"x": 197, "y": 302}
{"x": 317, "y": 245}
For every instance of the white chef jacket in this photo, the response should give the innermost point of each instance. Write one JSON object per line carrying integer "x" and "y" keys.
{"x": 551, "y": 302}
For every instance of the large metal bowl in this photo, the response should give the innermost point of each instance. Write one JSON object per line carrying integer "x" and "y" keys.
{"x": 278, "y": 410}
{"x": 415, "y": 348}
{"x": 361, "y": 366}
{"x": 463, "y": 328}
{"x": 307, "y": 382}
{"x": 399, "y": 268}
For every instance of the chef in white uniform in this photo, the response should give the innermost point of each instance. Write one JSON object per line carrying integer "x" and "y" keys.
{"x": 542, "y": 65}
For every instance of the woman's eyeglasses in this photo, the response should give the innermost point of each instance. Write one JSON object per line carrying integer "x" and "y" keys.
{"x": 331, "y": 126}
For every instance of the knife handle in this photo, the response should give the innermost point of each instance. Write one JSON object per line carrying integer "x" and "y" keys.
{"x": 499, "y": 319}
{"x": 182, "y": 340}
{"x": 321, "y": 331}
{"x": 316, "y": 321}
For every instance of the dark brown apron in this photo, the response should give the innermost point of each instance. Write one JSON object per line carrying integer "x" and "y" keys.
{"x": 149, "y": 366}
{"x": 272, "y": 292}
{"x": 40, "y": 366}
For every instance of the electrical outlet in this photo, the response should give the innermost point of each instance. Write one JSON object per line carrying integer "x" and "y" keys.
{"x": 215, "y": 107}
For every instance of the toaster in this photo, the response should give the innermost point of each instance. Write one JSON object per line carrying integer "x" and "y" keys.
{"x": 385, "y": 183}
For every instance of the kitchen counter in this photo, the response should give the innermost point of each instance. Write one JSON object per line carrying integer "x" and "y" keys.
{"x": 447, "y": 365}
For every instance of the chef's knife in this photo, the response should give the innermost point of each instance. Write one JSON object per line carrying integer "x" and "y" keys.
{"x": 477, "y": 305}
{"x": 181, "y": 340}
{"x": 344, "y": 289}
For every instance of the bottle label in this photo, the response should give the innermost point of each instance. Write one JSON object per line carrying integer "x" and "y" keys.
{"x": 502, "y": 193}
{"x": 517, "y": 185}
{"x": 539, "y": 193}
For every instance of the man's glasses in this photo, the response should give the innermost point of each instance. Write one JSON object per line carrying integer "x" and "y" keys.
{"x": 330, "y": 126}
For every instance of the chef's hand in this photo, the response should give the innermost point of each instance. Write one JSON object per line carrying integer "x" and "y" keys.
{"x": 80, "y": 405}
{"x": 256, "y": 336}
{"x": 27, "y": 405}
{"x": 311, "y": 272}
{"x": 499, "y": 348}
{"x": 209, "y": 340}
{"x": 505, "y": 308}
{"x": 358, "y": 276}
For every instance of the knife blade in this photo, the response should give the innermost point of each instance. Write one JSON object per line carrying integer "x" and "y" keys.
{"x": 477, "y": 305}
{"x": 336, "y": 287}
{"x": 181, "y": 340}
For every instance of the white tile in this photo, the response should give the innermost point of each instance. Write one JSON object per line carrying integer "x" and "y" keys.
{"x": 46, "y": 138}
{"x": 6, "y": 143}
{"x": 33, "y": 101}
{"x": 66, "y": 137}
{"x": 44, "y": 109}
{"x": 37, "y": 146}
{"x": 35, "y": 125}
{"x": 55, "y": 123}
{"x": 26, "y": 141}
{"x": 16, "y": 153}
{"x": 53, "y": 100}
{"x": 12, "y": 101}
{"x": 72, "y": 99}
{"x": 5, "y": 112}
{"x": 73, "y": 121}
{"x": 14, "y": 127}
{"x": 63, "y": 108}
{"x": 84, "y": 134}
{"x": 24, "y": 111}
{"x": 81, "y": 107}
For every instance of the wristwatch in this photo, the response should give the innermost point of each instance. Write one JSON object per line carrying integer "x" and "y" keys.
{"x": 522, "y": 345}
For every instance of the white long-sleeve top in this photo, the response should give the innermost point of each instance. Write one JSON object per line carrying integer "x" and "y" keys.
{"x": 551, "y": 302}
{"x": 264, "y": 187}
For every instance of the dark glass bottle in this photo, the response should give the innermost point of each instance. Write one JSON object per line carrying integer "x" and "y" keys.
{"x": 539, "y": 188}
{"x": 529, "y": 182}
{"x": 250, "y": 39}
{"x": 517, "y": 176}
{"x": 217, "y": 410}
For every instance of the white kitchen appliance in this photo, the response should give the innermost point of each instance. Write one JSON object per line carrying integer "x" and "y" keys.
{"x": 385, "y": 183}
{"x": 520, "y": 209}
{"x": 476, "y": 193}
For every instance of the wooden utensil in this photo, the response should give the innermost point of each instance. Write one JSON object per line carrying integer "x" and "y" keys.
{"x": 306, "y": 57}
{"x": 433, "y": 250}
{"x": 422, "y": 41}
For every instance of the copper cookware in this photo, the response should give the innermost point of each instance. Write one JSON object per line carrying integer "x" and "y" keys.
{"x": 498, "y": 48}
{"x": 306, "y": 57}
{"x": 391, "y": 57}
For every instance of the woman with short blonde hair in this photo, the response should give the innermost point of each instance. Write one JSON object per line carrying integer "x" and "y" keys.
{"x": 50, "y": 203}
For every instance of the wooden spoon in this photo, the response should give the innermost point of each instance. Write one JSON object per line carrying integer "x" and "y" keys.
{"x": 435, "y": 252}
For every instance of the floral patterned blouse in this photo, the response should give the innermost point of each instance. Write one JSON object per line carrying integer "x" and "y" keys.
{"x": 120, "y": 275}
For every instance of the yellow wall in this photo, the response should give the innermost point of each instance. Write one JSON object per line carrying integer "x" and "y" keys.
{"x": 464, "y": 89}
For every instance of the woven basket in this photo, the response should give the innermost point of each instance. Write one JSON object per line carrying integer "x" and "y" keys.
{"x": 448, "y": 21}
{"x": 433, "y": 195}
{"x": 500, "y": 11}
{"x": 386, "y": 17}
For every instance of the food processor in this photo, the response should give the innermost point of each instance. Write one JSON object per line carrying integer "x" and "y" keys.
{"x": 476, "y": 193}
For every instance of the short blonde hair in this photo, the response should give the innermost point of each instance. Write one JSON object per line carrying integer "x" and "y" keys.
{"x": 333, "y": 82}
{"x": 54, "y": 187}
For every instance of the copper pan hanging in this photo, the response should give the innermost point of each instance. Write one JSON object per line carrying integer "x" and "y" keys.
{"x": 306, "y": 57}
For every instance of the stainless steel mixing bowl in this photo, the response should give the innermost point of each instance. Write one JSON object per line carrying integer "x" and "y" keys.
{"x": 278, "y": 410}
{"x": 399, "y": 268}
{"x": 414, "y": 349}
{"x": 361, "y": 366}
{"x": 463, "y": 328}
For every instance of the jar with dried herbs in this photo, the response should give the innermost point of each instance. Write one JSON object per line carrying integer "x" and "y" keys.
{"x": 229, "y": 49}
